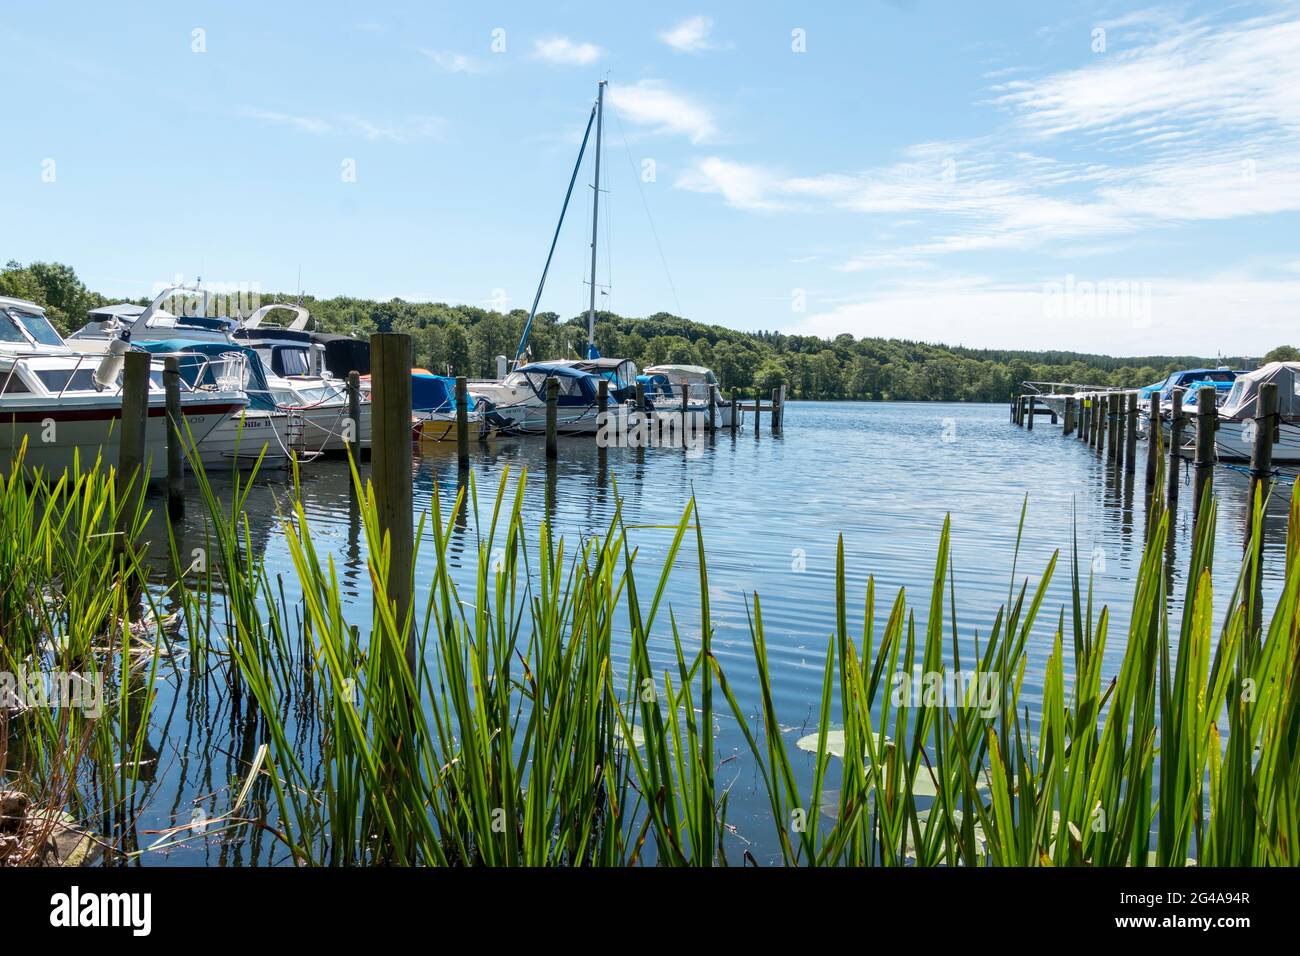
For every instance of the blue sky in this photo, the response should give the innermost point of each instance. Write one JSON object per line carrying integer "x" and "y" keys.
{"x": 1110, "y": 177}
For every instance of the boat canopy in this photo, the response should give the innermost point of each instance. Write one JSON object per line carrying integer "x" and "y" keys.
{"x": 576, "y": 386}
{"x": 202, "y": 364}
{"x": 1244, "y": 397}
{"x": 685, "y": 374}
{"x": 343, "y": 354}
{"x": 1191, "y": 379}
{"x": 435, "y": 393}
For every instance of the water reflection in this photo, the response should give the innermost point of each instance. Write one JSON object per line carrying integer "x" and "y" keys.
{"x": 883, "y": 476}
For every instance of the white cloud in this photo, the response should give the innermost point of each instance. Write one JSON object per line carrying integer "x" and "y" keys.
{"x": 308, "y": 124}
{"x": 650, "y": 103}
{"x": 690, "y": 35}
{"x": 564, "y": 52}
{"x": 450, "y": 61}
{"x": 745, "y": 187}
{"x": 1194, "y": 123}
{"x": 1227, "y": 315}
{"x": 402, "y": 130}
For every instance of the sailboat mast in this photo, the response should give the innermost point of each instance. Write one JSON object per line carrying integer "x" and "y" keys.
{"x": 595, "y": 222}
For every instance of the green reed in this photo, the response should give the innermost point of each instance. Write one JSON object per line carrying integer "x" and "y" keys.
{"x": 75, "y": 614}
{"x": 517, "y": 741}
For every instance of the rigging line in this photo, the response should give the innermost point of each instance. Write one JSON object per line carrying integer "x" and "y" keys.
{"x": 653, "y": 231}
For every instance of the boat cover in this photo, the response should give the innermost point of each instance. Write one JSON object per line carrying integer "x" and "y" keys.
{"x": 1242, "y": 400}
{"x": 200, "y": 363}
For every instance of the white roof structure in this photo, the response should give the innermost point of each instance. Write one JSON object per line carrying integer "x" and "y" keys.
{"x": 1241, "y": 401}
{"x": 690, "y": 374}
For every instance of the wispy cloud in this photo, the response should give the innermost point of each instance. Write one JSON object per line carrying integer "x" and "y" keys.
{"x": 403, "y": 130}
{"x": 562, "y": 51}
{"x": 651, "y": 103}
{"x": 691, "y": 35}
{"x": 1194, "y": 122}
{"x": 450, "y": 61}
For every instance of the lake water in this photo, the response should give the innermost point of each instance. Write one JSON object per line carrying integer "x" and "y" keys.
{"x": 881, "y": 475}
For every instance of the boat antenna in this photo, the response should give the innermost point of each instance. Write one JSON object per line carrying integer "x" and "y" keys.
{"x": 532, "y": 313}
{"x": 595, "y": 225}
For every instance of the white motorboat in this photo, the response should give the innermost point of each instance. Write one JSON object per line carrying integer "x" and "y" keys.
{"x": 703, "y": 397}
{"x": 65, "y": 407}
{"x": 1235, "y": 437}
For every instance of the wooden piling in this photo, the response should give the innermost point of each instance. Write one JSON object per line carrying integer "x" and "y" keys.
{"x": 552, "y": 417}
{"x": 390, "y": 454}
{"x": 353, "y": 444}
{"x": 1112, "y": 426}
{"x": 1261, "y": 453}
{"x": 735, "y": 410}
{"x": 778, "y": 408}
{"x": 1029, "y": 412}
{"x": 1175, "y": 443}
{"x": 132, "y": 475}
{"x": 1153, "y": 439}
{"x": 686, "y": 400}
{"x": 711, "y": 407}
{"x": 462, "y": 421}
{"x": 1085, "y": 427}
{"x": 1068, "y": 425}
{"x": 602, "y": 399}
{"x": 758, "y": 404}
{"x": 1130, "y": 450}
{"x": 175, "y": 437}
{"x": 640, "y": 396}
{"x": 1121, "y": 437}
{"x": 1207, "y": 422}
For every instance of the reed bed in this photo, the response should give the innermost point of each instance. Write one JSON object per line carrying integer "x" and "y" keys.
{"x": 516, "y": 740}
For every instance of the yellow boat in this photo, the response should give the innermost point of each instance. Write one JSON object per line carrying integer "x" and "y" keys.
{"x": 435, "y": 427}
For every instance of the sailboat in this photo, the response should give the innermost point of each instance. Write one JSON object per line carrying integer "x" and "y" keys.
{"x": 519, "y": 397}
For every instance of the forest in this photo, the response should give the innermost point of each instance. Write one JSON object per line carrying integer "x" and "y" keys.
{"x": 462, "y": 339}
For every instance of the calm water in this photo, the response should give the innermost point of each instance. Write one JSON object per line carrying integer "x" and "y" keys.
{"x": 881, "y": 475}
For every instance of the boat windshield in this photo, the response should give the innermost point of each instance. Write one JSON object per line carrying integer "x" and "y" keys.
{"x": 37, "y": 326}
{"x": 9, "y": 331}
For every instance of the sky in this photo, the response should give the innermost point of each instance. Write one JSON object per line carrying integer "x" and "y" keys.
{"x": 1108, "y": 177}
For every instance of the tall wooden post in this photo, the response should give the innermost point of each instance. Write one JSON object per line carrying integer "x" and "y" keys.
{"x": 1068, "y": 425}
{"x": 686, "y": 397}
{"x": 1131, "y": 433}
{"x": 735, "y": 410}
{"x": 1118, "y": 448}
{"x": 1112, "y": 426}
{"x": 1261, "y": 474}
{"x": 1029, "y": 411}
{"x": 602, "y": 399}
{"x": 132, "y": 474}
{"x": 778, "y": 409}
{"x": 1175, "y": 443}
{"x": 1207, "y": 422}
{"x": 1261, "y": 453}
{"x": 390, "y": 453}
{"x": 1153, "y": 439}
{"x": 462, "y": 421}
{"x": 175, "y": 437}
{"x": 552, "y": 417}
{"x": 354, "y": 416}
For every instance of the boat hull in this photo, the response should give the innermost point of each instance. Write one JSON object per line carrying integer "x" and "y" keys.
{"x": 76, "y": 434}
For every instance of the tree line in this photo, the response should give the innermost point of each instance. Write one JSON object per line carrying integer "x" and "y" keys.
{"x": 462, "y": 339}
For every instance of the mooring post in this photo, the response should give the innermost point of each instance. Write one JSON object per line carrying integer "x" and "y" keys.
{"x": 175, "y": 436}
{"x": 1085, "y": 427}
{"x": 132, "y": 473}
{"x": 1030, "y": 411}
{"x": 353, "y": 430}
{"x": 390, "y": 454}
{"x": 735, "y": 410}
{"x": 1112, "y": 428}
{"x": 1175, "y": 442}
{"x": 778, "y": 403}
{"x": 1067, "y": 425}
{"x": 686, "y": 398}
{"x": 758, "y": 406}
{"x": 1121, "y": 438}
{"x": 1261, "y": 474}
{"x": 462, "y": 421}
{"x": 1130, "y": 451}
{"x": 1261, "y": 452}
{"x": 602, "y": 400}
{"x": 1153, "y": 438}
{"x": 710, "y": 407}
{"x": 552, "y": 417}
{"x": 1207, "y": 422}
